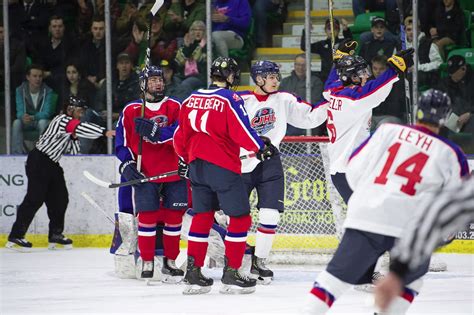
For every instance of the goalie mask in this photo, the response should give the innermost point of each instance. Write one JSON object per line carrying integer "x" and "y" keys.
{"x": 152, "y": 82}
{"x": 351, "y": 69}
{"x": 223, "y": 68}
{"x": 262, "y": 69}
{"x": 434, "y": 107}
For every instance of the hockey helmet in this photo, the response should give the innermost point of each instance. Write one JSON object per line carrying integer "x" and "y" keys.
{"x": 263, "y": 68}
{"x": 223, "y": 67}
{"x": 76, "y": 101}
{"x": 434, "y": 107}
{"x": 349, "y": 67}
{"x": 145, "y": 74}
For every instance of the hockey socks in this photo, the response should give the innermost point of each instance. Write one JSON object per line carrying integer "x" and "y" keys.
{"x": 268, "y": 222}
{"x": 198, "y": 237}
{"x": 172, "y": 232}
{"x": 236, "y": 240}
{"x": 401, "y": 304}
{"x": 325, "y": 291}
{"x": 147, "y": 222}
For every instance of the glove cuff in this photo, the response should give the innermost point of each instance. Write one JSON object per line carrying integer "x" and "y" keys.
{"x": 398, "y": 62}
{"x": 125, "y": 164}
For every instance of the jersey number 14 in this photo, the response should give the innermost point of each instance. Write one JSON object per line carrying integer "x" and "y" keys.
{"x": 415, "y": 162}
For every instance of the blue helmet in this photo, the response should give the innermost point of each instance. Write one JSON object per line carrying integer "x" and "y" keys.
{"x": 223, "y": 67}
{"x": 434, "y": 107}
{"x": 349, "y": 66}
{"x": 145, "y": 74}
{"x": 263, "y": 68}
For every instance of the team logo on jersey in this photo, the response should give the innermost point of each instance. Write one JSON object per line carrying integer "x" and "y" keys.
{"x": 264, "y": 120}
{"x": 161, "y": 120}
{"x": 236, "y": 97}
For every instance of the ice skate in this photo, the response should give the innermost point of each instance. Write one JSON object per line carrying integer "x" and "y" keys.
{"x": 59, "y": 241}
{"x": 171, "y": 273}
{"x": 18, "y": 244}
{"x": 259, "y": 271}
{"x": 234, "y": 282}
{"x": 196, "y": 282}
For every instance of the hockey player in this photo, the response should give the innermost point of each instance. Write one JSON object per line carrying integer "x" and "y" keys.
{"x": 161, "y": 113}
{"x": 213, "y": 125}
{"x": 46, "y": 182}
{"x": 390, "y": 174}
{"x": 269, "y": 112}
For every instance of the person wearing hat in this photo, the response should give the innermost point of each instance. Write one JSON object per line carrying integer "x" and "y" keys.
{"x": 46, "y": 183}
{"x": 460, "y": 87}
{"x": 172, "y": 82}
{"x": 323, "y": 47}
{"x": 367, "y": 36}
{"x": 379, "y": 44}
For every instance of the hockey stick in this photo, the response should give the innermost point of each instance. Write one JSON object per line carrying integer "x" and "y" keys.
{"x": 331, "y": 23}
{"x": 403, "y": 37}
{"x": 154, "y": 9}
{"x": 105, "y": 184}
{"x": 95, "y": 205}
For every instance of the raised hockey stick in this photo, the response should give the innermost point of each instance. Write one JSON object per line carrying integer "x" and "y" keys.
{"x": 331, "y": 23}
{"x": 95, "y": 205}
{"x": 154, "y": 9}
{"x": 408, "y": 102}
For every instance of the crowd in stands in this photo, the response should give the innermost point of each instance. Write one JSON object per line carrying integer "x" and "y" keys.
{"x": 57, "y": 49}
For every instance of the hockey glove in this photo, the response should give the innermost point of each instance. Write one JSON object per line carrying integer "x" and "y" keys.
{"x": 402, "y": 60}
{"x": 183, "y": 169}
{"x": 346, "y": 47}
{"x": 147, "y": 129}
{"x": 268, "y": 151}
{"x": 129, "y": 170}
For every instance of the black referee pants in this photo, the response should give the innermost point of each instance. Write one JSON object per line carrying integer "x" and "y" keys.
{"x": 46, "y": 184}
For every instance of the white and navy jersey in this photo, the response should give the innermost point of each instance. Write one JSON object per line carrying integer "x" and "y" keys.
{"x": 61, "y": 136}
{"x": 451, "y": 210}
{"x": 270, "y": 114}
{"x": 394, "y": 171}
{"x": 350, "y": 112}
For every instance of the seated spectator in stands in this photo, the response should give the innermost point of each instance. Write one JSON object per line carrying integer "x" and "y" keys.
{"x": 163, "y": 46}
{"x": 449, "y": 28}
{"x": 52, "y": 51}
{"x": 88, "y": 9}
{"x": 296, "y": 84}
{"x": 230, "y": 23}
{"x": 181, "y": 14}
{"x": 378, "y": 44}
{"x": 392, "y": 110}
{"x": 35, "y": 105}
{"x": 192, "y": 59}
{"x": 172, "y": 82}
{"x": 323, "y": 47}
{"x": 429, "y": 58}
{"x": 460, "y": 87}
{"x": 17, "y": 61}
{"x": 76, "y": 85}
{"x": 261, "y": 10}
{"x": 92, "y": 56}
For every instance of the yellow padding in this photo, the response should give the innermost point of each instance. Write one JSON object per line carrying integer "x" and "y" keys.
{"x": 319, "y": 13}
{"x": 279, "y": 51}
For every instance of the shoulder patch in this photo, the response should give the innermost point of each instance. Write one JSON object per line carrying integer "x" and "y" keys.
{"x": 236, "y": 97}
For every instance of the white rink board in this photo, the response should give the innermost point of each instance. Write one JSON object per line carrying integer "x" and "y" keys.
{"x": 81, "y": 217}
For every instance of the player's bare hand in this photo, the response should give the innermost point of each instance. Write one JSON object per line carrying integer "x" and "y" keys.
{"x": 110, "y": 133}
{"x": 463, "y": 119}
{"x": 387, "y": 289}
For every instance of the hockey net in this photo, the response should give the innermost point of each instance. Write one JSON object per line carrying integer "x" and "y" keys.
{"x": 311, "y": 226}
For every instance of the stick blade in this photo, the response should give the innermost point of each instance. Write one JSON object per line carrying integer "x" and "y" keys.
{"x": 158, "y": 4}
{"x": 95, "y": 180}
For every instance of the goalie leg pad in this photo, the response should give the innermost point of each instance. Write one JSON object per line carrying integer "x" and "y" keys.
{"x": 125, "y": 235}
{"x": 268, "y": 223}
{"x": 125, "y": 266}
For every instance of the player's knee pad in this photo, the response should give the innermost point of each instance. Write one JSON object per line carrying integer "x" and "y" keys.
{"x": 328, "y": 288}
{"x": 240, "y": 224}
{"x": 268, "y": 220}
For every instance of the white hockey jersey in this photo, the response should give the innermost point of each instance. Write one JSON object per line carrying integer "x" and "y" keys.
{"x": 394, "y": 171}
{"x": 350, "y": 112}
{"x": 269, "y": 114}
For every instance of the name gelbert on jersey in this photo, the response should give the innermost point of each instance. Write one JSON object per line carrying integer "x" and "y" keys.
{"x": 199, "y": 102}
{"x": 419, "y": 139}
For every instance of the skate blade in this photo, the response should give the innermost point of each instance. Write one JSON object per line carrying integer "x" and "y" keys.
{"x": 261, "y": 280}
{"x": 234, "y": 289}
{"x": 17, "y": 248}
{"x": 56, "y": 246}
{"x": 171, "y": 280}
{"x": 196, "y": 289}
{"x": 369, "y": 288}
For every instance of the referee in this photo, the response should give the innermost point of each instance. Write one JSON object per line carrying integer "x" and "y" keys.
{"x": 449, "y": 212}
{"x": 46, "y": 182}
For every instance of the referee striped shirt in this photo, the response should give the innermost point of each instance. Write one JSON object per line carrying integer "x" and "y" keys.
{"x": 58, "y": 137}
{"x": 449, "y": 212}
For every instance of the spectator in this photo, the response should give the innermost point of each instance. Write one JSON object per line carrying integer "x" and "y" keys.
{"x": 35, "y": 105}
{"x": 28, "y": 20}
{"x": 88, "y": 9}
{"x": 163, "y": 46}
{"x": 296, "y": 84}
{"x": 378, "y": 44}
{"x": 52, "y": 50}
{"x": 192, "y": 57}
{"x": 76, "y": 85}
{"x": 323, "y": 47}
{"x": 172, "y": 82}
{"x": 230, "y": 22}
{"x": 182, "y": 14}
{"x": 449, "y": 27}
{"x": 460, "y": 87}
{"x": 93, "y": 53}
{"x": 429, "y": 57}
{"x": 17, "y": 60}
{"x": 261, "y": 10}
{"x": 392, "y": 109}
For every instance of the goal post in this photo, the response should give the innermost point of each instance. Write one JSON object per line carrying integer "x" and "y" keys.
{"x": 310, "y": 226}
